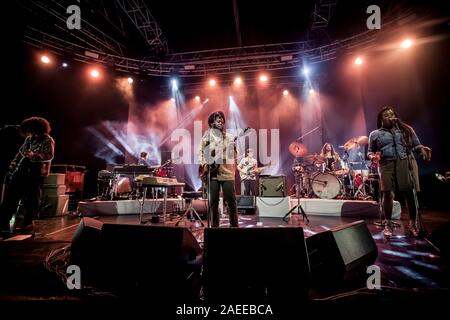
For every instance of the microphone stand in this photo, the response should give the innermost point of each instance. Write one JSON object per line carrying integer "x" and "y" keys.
{"x": 418, "y": 219}
{"x": 310, "y": 131}
{"x": 208, "y": 186}
{"x": 297, "y": 206}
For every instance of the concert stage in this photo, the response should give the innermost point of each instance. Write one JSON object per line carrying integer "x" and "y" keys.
{"x": 267, "y": 207}
{"x": 412, "y": 270}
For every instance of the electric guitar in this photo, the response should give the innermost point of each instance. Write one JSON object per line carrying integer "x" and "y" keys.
{"x": 251, "y": 172}
{"x": 22, "y": 163}
{"x": 212, "y": 169}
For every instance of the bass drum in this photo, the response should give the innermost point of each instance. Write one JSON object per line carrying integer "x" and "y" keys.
{"x": 122, "y": 186}
{"x": 326, "y": 185}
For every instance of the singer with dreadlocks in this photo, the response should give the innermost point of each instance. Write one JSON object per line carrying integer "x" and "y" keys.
{"x": 392, "y": 146}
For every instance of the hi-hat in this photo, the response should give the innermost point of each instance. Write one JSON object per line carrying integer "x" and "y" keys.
{"x": 298, "y": 149}
{"x": 356, "y": 142}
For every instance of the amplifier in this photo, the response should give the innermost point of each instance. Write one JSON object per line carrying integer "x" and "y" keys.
{"x": 55, "y": 179}
{"x": 272, "y": 186}
{"x": 53, "y": 189}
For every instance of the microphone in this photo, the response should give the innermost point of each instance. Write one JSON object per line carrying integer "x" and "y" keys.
{"x": 394, "y": 119}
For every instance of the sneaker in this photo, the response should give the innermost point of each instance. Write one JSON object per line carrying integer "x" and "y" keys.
{"x": 388, "y": 231}
{"x": 412, "y": 228}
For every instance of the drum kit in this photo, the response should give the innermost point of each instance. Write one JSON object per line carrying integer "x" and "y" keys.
{"x": 314, "y": 179}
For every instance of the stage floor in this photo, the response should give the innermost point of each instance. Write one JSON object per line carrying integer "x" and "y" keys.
{"x": 409, "y": 267}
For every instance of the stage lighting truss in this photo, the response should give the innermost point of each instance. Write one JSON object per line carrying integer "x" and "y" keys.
{"x": 92, "y": 46}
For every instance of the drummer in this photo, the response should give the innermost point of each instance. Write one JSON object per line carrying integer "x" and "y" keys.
{"x": 330, "y": 157}
{"x": 357, "y": 163}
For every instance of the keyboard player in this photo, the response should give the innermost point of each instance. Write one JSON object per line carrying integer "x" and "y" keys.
{"x": 143, "y": 160}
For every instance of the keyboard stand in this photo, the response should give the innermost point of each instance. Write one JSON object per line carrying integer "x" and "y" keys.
{"x": 154, "y": 214}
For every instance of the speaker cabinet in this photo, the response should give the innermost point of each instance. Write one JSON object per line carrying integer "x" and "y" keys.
{"x": 156, "y": 262}
{"x": 255, "y": 265}
{"x": 339, "y": 253}
{"x": 85, "y": 248}
{"x": 246, "y": 204}
{"x": 272, "y": 186}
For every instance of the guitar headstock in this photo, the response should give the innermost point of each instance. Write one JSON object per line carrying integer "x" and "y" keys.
{"x": 243, "y": 133}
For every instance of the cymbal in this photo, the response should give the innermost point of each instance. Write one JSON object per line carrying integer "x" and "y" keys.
{"x": 355, "y": 142}
{"x": 298, "y": 149}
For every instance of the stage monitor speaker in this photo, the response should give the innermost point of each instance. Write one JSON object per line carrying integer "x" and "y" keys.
{"x": 246, "y": 204}
{"x": 85, "y": 248}
{"x": 272, "y": 186}
{"x": 340, "y": 253}
{"x": 255, "y": 265}
{"x": 156, "y": 262}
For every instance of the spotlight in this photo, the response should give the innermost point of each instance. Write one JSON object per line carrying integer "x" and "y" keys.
{"x": 231, "y": 97}
{"x": 172, "y": 99}
{"x": 212, "y": 83}
{"x": 94, "y": 73}
{"x": 311, "y": 91}
{"x": 65, "y": 65}
{"x": 45, "y": 59}
{"x": 263, "y": 78}
{"x": 407, "y": 43}
{"x": 358, "y": 60}
{"x": 305, "y": 71}
{"x": 174, "y": 84}
{"x": 197, "y": 98}
{"x": 237, "y": 81}
{"x": 130, "y": 80}
{"x": 285, "y": 92}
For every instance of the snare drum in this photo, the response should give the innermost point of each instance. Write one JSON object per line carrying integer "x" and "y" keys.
{"x": 325, "y": 185}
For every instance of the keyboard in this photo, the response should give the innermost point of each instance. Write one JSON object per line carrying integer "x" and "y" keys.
{"x": 162, "y": 181}
{"x": 133, "y": 169}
